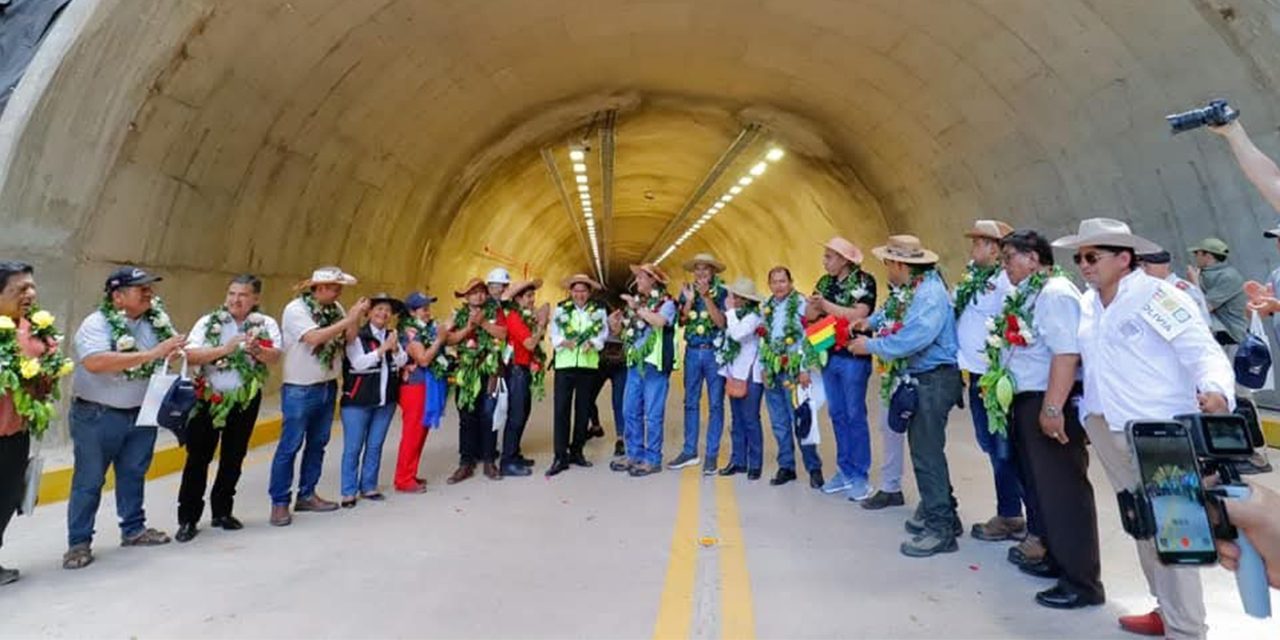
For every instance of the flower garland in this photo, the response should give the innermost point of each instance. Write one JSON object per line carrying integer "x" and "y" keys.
{"x": 893, "y": 372}
{"x": 478, "y": 356}
{"x": 976, "y": 280}
{"x": 699, "y": 322}
{"x": 857, "y": 287}
{"x": 32, "y": 383}
{"x": 564, "y": 322}
{"x": 776, "y": 358}
{"x": 1013, "y": 328}
{"x": 253, "y": 373}
{"x": 325, "y": 316}
{"x": 124, "y": 342}
{"x": 538, "y": 363}
{"x": 638, "y": 351}
{"x": 727, "y": 350}
{"x": 426, "y": 333}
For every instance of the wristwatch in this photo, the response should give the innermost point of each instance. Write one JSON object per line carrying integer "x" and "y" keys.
{"x": 1052, "y": 411}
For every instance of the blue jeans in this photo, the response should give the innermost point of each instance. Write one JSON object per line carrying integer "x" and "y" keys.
{"x": 645, "y": 405}
{"x": 308, "y": 417}
{"x": 1004, "y": 465}
{"x": 364, "y": 430}
{"x": 105, "y": 437}
{"x": 746, "y": 429}
{"x": 845, "y": 379}
{"x": 699, "y": 366}
{"x": 782, "y": 418}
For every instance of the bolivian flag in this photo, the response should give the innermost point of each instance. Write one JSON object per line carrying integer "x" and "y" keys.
{"x": 822, "y": 334}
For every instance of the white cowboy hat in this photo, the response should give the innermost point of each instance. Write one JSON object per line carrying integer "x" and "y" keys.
{"x": 1106, "y": 232}
{"x": 905, "y": 249}
{"x": 745, "y": 288}
{"x": 703, "y": 258}
{"x": 990, "y": 229}
{"x": 327, "y": 275}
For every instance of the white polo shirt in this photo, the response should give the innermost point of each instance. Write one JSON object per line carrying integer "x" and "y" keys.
{"x": 228, "y": 379}
{"x": 971, "y": 327}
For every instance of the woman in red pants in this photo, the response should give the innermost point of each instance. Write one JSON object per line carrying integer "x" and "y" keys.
{"x": 424, "y": 378}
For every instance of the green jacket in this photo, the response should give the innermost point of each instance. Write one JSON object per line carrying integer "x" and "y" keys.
{"x": 1223, "y": 288}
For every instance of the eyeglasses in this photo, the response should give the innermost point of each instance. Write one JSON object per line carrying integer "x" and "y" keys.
{"x": 1092, "y": 257}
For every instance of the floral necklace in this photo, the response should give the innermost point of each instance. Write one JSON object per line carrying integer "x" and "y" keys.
{"x": 1013, "y": 328}
{"x": 124, "y": 342}
{"x": 425, "y": 333}
{"x": 32, "y": 383}
{"x": 893, "y": 372}
{"x": 478, "y": 356}
{"x": 538, "y": 360}
{"x": 638, "y": 350}
{"x": 564, "y": 322}
{"x": 253, "y": 373}
{"x": 778, "y": 362}
{"x": 853, "y": 289}
{"x": 727, "y": 351}
{"x": 976, "y": 280}
{"x": 699, "y": 322}
{"x": 325, "y": 316}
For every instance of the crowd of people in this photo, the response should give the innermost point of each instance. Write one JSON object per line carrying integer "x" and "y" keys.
{"x": 1044, "y": 368}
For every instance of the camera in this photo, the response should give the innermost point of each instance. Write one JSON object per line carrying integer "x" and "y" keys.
{"x": 1216, "y": 114}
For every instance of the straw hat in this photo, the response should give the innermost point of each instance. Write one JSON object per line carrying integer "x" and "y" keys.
{"x": 520, "y": 287}
{"x": 990, "y": 229}
{"x": 580, "y": 278}
{"x": 745, "y": 288}
{"x": 327, "y": 275}
{"x": 471, "y": 285}
{"x": 703, "y": 258}
{"x": 906, "y": 249}
{"x": 652, "y": 270}
{"x": 848, "y": 250}
{"x": 1106, "y": 232}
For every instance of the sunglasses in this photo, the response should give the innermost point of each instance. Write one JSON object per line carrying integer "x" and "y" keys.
{"x": 1092, "y": 257}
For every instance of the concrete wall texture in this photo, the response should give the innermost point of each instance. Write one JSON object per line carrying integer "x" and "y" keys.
{"x": 401, "y": 138}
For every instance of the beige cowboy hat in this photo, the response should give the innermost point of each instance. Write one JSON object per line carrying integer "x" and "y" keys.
{"x": 847, "y": 250}
{"x": 519, "y": 287}
{"x": 905, "y": 249}
{"x": 327, "y": 275}
{"x": 745, "y": 288}
{"x": 990, "y": 229}
{"x": 1106, "y": 232}
{"x": 580, "y": 278}
{"x": 471, "y": 285}
{"x": 703, "y": 258}
{"x": 653, "y": 271}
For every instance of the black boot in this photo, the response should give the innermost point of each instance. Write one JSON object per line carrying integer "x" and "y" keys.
{"x": 782, "y": 477}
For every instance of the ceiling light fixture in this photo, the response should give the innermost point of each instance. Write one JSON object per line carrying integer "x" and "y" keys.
{"x": 759, "y": 169}
{"x": 775, "y": 154}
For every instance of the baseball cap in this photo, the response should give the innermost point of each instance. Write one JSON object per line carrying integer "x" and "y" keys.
{"x": 129, "y": 276}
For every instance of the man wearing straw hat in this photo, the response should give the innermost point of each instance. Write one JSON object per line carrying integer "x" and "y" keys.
{"x": 848, "y": 294}
{"x": 916, "y": 342}
{"x": 315, "y": 330}
{"x": 579, "y": 327}
{"x": 1143, "y": 362}
{"x": 479, "y": 334}
{"x": 650, "y": 339}
{"x": 702, "y": 316}
{"x": 525, "y": 329}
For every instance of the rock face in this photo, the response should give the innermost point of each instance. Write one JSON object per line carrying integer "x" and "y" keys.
{"x": 403, "y": 139}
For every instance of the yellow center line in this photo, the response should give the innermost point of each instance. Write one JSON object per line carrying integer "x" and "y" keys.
{"x": 675, "y": 610}
{"x": 737, "y": 615}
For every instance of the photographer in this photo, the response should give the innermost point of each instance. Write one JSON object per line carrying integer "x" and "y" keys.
{"x": 1258, "y": 518}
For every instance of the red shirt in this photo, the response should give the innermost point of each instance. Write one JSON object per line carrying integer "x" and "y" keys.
{"x": 517, "y": 333}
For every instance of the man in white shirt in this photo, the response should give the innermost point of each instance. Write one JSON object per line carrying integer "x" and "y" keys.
{"x": 315, "y": 331}
{"x": 1146, "y": 355}
{"x": 236, "y": 343}
{"x": 1159, "y": 265}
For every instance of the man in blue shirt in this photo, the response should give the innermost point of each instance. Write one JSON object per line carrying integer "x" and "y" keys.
{"x": 915, "y": 340}
{"x": 702, "y": 316}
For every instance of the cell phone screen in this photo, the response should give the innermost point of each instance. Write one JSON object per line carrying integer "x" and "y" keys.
{"x": 1171, "y": 480}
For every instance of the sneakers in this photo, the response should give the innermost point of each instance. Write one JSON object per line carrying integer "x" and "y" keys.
{"x": 837, "y": 483}
{"x": 1000, "y": 528}
{"x": 709, "y": 467}
{"x": 883, "y": 500}
{"x": 915, "y": 526}
{"x": 643, "y": 469}
{"x": 860, "y": 490}
{"x": 683, "y": 460}
{"x": 1150, "y": 624}
{"x": 928, "y": 544}
{"x": 1029, "y": 551}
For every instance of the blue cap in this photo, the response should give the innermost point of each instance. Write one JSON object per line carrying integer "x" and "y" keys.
{"x": 417, "y": 301}
{"x": 129, "y": 276}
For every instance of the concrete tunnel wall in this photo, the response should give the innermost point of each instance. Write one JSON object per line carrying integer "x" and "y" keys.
{"x": 400, "y": 138}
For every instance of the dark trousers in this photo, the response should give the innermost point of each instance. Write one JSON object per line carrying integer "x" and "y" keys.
{"x": 202, "y": 440}
{"x": 616, "y": 376}
{"x": 572, "y": 395}
{"x": 519, "y": 404}
{"x": 477, "y": 441}
{"x": 1058, "y": 475}
{"x": 940, "y": 390}
{"x": 14, "y": 452}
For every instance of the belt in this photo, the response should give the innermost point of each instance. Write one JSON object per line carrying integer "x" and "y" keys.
{"x": 707, "y": 345}
{"x": 106, "y": 406}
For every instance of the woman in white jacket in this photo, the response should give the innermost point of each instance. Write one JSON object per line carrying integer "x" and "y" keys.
{"x": 740, "y": 366}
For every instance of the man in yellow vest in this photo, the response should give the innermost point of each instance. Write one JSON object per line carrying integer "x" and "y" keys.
{"x": 578, "y": 332}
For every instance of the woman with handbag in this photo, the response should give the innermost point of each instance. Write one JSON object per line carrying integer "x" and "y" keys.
{"x": 370, "y": 388}
{"x": 739, "y": 356}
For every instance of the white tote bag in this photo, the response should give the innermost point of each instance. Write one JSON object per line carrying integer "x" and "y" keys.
{"x": 159, "y": 384}
{"x": 1256, "y": 328}
{"x": 500, "y": 408}
{"x": 35, "y": 467}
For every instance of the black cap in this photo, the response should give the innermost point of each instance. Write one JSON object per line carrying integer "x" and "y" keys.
{"x": 129, "y": 276}
{"x": 1159, "y": 257}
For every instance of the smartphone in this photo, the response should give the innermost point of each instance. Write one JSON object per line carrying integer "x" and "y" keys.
{"x": 1171, "y": 480}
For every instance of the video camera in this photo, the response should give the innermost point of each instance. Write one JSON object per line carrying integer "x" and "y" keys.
{"x": 1170, "y": 507}
{"x": 1216, "y": 114}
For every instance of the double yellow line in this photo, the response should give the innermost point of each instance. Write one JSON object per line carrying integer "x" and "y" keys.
{"x": 675, "y": 610}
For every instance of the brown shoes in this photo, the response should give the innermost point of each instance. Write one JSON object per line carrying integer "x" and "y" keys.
{"x": 491, "y": 471}
{"x": 999, "y": 528}
{"x": 280, "y": 515}
{"x": 464, "y": 471}
{"x": 314, "y": 503}
{"x": 1028, "y": 552}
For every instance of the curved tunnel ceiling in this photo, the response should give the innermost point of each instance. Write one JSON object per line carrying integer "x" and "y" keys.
{"x": 403, "y": 138}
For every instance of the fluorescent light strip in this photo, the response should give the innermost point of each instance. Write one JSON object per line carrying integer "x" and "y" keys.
{"x": 773, "y": 155}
